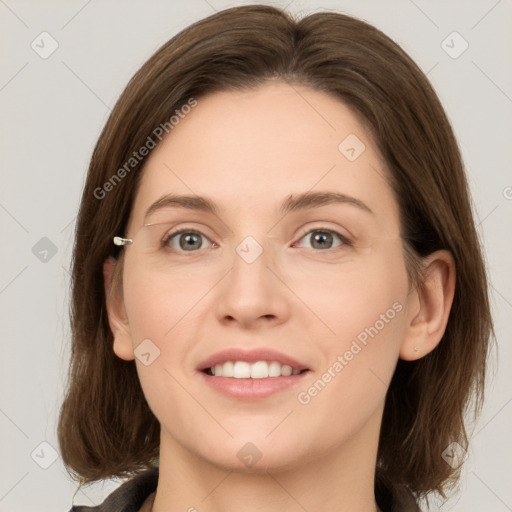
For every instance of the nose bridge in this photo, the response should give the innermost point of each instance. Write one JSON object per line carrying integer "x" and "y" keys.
{"x": 251, "y": 291}
{"x": 251, "y": 250}
{"x": 249, "y": 264}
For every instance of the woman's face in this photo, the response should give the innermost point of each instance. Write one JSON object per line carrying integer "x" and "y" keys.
{"x": 300, "y": 265}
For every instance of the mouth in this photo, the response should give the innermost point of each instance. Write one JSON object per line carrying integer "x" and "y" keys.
{"x": 257, "y": 370}
{"x": 244, "y": 374}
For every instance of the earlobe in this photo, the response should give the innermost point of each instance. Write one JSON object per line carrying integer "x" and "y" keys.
{"x": 430, "y": 306}
{"x": 117, "y": 318}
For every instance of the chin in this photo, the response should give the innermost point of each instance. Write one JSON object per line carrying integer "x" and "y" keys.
{"x": 252, "y": 451}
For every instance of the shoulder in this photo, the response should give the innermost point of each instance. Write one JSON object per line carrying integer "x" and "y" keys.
{"x": 128, "y": 497}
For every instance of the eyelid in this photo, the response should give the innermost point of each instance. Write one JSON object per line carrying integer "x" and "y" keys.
{"x": 173, "y": 230}
{"x": 344, "y": 239}
{"x": 171, "y": 234}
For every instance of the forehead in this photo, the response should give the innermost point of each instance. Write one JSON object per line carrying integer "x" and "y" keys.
{"x": 257, "y": 146}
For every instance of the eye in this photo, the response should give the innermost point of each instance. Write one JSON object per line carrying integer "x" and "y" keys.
{"x": 186, "y": 240}
{"x": 324, "y": 239}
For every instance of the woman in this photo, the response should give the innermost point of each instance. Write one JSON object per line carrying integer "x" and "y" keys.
{"x": 279, "y": 298}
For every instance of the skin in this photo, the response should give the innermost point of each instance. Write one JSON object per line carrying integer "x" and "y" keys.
{"x": 248, "y": 151}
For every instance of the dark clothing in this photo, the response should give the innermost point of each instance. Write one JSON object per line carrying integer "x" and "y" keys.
{"x": 139, "y": 491}
{"x": 129, "y": 497}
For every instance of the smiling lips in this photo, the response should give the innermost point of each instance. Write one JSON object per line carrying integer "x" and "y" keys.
{"x": 251, "y": 374}
{"x": 257, "y": 370}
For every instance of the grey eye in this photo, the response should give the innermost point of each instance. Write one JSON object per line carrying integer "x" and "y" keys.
{"x": 187, "y": 240}
{"x": 323, "y": 239}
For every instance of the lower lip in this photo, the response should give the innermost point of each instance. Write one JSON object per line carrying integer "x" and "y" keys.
{"x": 249, "y": 389}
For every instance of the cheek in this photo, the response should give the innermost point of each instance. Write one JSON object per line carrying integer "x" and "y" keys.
{"x": 161, "y": 311}
{"x": 360, "y": 299}
{"x": 148, "y": 310}
{"x": 347, "y": 394}
{"x": 159, "y": 305}
{"x": 363, "y": 321}
{"x": 164, "y": 311}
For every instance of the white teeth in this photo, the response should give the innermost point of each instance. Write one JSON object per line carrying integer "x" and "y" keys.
{"x": 241, "y": 370}
{"x": 274, "y": 369}
{"x": 286, "y": 370}
{"x": 258, "y": 370}
{"x": 227, "y": 369}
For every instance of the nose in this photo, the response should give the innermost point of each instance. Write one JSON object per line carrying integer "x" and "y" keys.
{"x": 251, "y": 295}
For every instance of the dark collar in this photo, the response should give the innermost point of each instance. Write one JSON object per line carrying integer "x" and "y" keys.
{"x": 130, "y": 496}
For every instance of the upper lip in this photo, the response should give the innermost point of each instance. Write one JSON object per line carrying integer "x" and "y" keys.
{"x": 250, "y": 356}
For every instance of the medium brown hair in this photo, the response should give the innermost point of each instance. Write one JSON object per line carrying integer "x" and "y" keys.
{"x": 106, "y": 428}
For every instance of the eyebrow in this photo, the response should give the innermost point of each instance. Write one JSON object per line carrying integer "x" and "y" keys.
{"x": 308, "y": 200}
{"x": 303, "y": 201}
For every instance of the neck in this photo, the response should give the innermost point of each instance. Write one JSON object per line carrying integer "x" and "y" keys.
{"x": 341, "y": 480}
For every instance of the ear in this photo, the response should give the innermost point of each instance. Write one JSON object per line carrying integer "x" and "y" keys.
{"x": 117, "y": 317}
{"x": 429, "y": 306}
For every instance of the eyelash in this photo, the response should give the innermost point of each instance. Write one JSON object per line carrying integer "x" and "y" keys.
{"x": 344, "y": 240}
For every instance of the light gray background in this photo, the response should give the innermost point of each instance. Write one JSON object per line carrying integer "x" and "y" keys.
{"x": 52, "y": 111}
